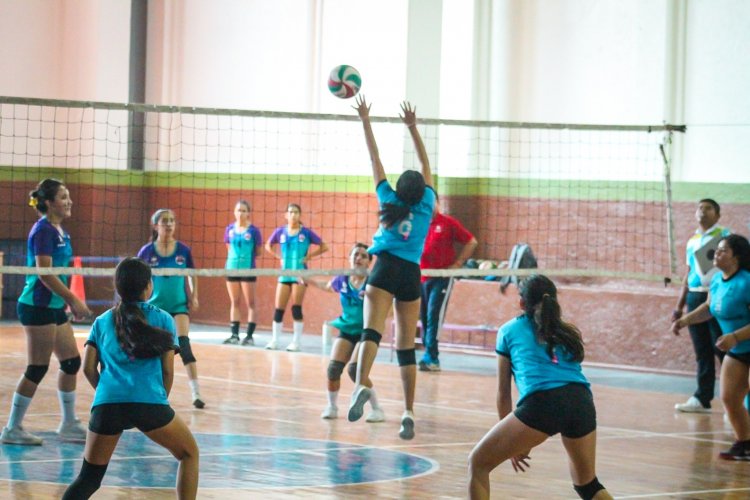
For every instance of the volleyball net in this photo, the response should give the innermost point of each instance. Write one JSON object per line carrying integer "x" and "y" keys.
{"x": 589, "y": 200}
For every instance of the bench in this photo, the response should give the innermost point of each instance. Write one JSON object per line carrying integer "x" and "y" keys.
{"x": 455, "y": 337}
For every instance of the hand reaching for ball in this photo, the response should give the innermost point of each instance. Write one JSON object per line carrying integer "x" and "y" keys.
{"x": 410, "y": 114}
{"x": 363, "y": 109}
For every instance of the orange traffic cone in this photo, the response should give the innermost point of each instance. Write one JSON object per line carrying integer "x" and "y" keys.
{"x": 76, "y": 281}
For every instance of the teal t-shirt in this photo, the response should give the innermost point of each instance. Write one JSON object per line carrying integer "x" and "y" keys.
{"x": 124, "y": 379}
{"x": 294, "y": 248}
{"x": 352, "y": 305}
{"x": 170, "y": 292}
{"x": 45, "y": 239}
{"x": 533, "y": 369}
{"x": 694, "y": 243}
{"x": 730, "y": 300}
{"x": 243, "y": 246}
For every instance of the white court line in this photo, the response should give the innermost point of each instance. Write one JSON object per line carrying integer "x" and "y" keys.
{"x": 683, "y": 493}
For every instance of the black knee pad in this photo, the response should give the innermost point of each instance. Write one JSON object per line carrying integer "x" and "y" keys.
{"x": 36, "y": 373}
{"x": 88, "y": 481}
{"x": 587, "y": 491}
{"x": 278, "y": 315}
{"x": 297, "y": 313}
{"x": 335, "y": 369}
{"x": 186, "y": 353}
{"x": 406, "y": 357}
{"x": 71, "y": 365}
{"x": 352, "y": 371}
{"x": 371, "y": 335}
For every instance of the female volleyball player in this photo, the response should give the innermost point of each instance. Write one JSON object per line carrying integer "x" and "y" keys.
{"x": 243, "y": 240}
{"x": 351, "y": 291}
{"x": 728, "y": 302}
{"x": 405, "y": 216}
{"x": 41, "y": 310}
{"x": 294, "y": 241}
{"x": 543, "y": 354}
{"x": 178, "y": 295}
{"x": 129, "y": 360}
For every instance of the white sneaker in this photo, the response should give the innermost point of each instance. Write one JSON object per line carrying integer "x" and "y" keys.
{"x": 330, "y": 413}
{"x": 73, "y": 431}
{"x": 692, "y": 405}
{"x": 356, "y": 407}
{"x": 17, "y": 435}
{"x": 407, "y": 426}
{"x": 272, "y": 345}
{"x": 293, "y": 347}
{"x": 376, "y": 415}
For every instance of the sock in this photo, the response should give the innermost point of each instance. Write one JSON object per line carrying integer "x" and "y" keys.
{"x": 332, "y": 397}
{"x": 235, "y": 327}
{"x": 407, "y": 413}
{"x": 373, "y": 399}
{"x": 18, "y": 410}
{"x": 275, "y": 331}
{"x": 298, "y": 325}
{"x": 250, "y": 329}
{"x": 194, "y": 388}
{"x": 67, "y": 405}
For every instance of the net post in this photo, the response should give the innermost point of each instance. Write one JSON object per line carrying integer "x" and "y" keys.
{"x": 668, "y": 194}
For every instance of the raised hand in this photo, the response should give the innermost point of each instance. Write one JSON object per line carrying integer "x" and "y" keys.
{"x": 410, "y": 114}
{"x": 363, "y": 109}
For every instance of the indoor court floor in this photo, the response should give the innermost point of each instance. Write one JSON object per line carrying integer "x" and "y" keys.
{"x": 261, "y": 435}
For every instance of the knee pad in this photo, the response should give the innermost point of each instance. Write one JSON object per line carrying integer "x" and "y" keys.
{"x": 587, "y": 491}
{"x": 278, "y": 315}
{"x": 352, "y": 371}
{"x": 371, "y": 335}
{"x": 71, "y": 366}
{"x": 36, "y": 373}
{"x": 89, "y": 480}
{"x": 297, "y": 313}
{"x": 335, "y": 369}
{"x": 186, "y": 353}
{"x": 406, "y": 357}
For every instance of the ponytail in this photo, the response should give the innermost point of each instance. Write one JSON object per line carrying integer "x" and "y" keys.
{"x": 539, "y": 295}
{"x": 391, "y": 214}
{"x": 409, "y": 190}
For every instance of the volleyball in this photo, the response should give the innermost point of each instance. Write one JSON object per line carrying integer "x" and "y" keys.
{"x": 344, "y": 81}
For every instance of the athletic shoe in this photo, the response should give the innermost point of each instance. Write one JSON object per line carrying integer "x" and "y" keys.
{"x": 738, "y": 451}
{"x": 429, "y": 367}
{"x": 407, "y": 427}
{"x": 692, "y": 405}
{"x": 272, "y": 345}
{"x": 198, "y": 402}
{"x": 232, "y": 340}
{"x": 248, "y": 341}
{"x": 17, "y": 435}
{"x": 375, "y": 416}
{"x": 73, "y": 431}
{"x": 293, "y": 347}
{"x": 330, "y": 413}
{"x": 357, "y": 405}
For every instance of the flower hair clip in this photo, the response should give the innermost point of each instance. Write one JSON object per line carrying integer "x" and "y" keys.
{"x": 33, "y": 202}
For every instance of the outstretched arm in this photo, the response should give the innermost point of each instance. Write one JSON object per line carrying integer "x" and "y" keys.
{"x": 363, "y": 109}
{"x": 410, "y": 120}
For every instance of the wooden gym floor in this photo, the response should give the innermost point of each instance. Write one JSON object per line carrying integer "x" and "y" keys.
{"x": 261, "y": 436}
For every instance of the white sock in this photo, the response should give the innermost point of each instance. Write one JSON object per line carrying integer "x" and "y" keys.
{"x": 67, "y": 405}
{"x": 373, "y": 399}
{"x": 408, "y": 413}
{"x": 275, "y": 331}
{"x": 332, "y": 397}
{"x": 298, "y": 326}
{"x": 18, "y": 410}
{"x": 194, "y": 388}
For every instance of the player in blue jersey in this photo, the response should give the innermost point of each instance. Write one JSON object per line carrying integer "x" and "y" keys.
{"x": 41, "y": 310}
{"x": 543, "y": 354}
{"x": 178, "y": 295}
{"x": 294, "y": 242}
{"x": 729, "y": 302}
{"x": 405, "y": 215}
{"x": 129, "y": 361}
{"x": 243, "y": 241}
{"x": 351, "y": 290}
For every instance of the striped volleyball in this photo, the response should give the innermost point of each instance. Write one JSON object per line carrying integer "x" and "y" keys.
{"x": 344, "y": 81}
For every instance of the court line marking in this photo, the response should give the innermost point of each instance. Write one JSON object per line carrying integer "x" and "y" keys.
{"x": 681, "y": 493}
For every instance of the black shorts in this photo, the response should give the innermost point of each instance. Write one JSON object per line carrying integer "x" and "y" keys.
{"x": 351, "y": 337}
{"x": 246, "y": 279}
{"x": 568, "y": 410}
{"x": 396, "y": 276}
{"x": 40, "y": 316}
{"x": 741, "y": 357}
{"x": 113, "y": 418}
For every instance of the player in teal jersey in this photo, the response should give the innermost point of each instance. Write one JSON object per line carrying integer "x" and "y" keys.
{"x": 242, "y": 240}
{"x": 294, "y": 241}
{"x": 405, "y": 214}
{"x": 729, "y": 302}
{"x": 41, "y": 310}
{"x": 178, "y": 295}
{"x": 351, "y": 290}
